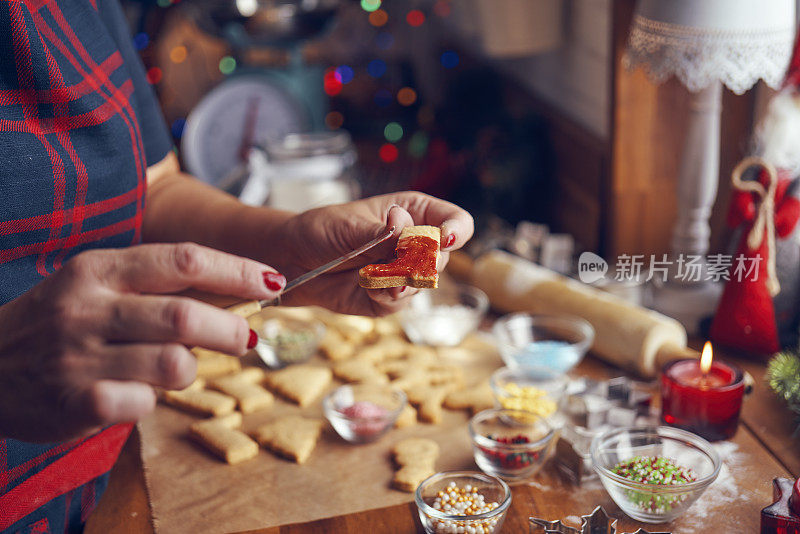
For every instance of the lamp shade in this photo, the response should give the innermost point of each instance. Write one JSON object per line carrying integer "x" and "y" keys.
{"x": 736, "y": 42}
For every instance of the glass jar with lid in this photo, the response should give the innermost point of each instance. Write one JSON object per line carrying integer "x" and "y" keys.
{"x": 309, "y": 170}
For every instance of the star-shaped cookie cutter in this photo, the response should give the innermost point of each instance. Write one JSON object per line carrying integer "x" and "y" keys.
{"x": 598, "y": 522}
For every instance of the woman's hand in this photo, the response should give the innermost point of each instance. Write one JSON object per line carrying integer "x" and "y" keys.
{"x": 315, "y": 237}
{"x": 83, "y": 348}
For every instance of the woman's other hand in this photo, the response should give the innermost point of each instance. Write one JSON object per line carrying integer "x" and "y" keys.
{"x": 83, "y": 349}
{"x": 317, "y": 236}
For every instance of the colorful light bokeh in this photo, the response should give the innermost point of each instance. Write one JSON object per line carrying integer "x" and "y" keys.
{"x": 154, "y": 75}
{"x": 178, "y": 54}
{"x": 376, "y": 68}
{"x": 370, "y": 5}
{"x": 406, "y": 96}
{"x": 227, "y": 65}
{"x": 426, "y": 116}
{"x": 334, "y": 120}
{"x": 345, "y": 73}
{"x": 418, "y": 144}
{"x": 415, "y": 18}
{"x": 393, "y": 132}
{"x": 449, "y": 59}
{"x": 378, "y": 18}
{"x": 388, "y": 153}
{"x": 383, "y": 97}
{"x": 332, "y": 82}
{"x": 140, "y": 41}
{"x": 384, "y": 40}
{"x": 442, "y": 8}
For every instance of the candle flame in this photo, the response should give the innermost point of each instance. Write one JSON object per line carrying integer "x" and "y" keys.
{"x": 706, "y": 357}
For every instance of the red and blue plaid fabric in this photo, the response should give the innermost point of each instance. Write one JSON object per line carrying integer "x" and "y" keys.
{"x": 79, "y": 125}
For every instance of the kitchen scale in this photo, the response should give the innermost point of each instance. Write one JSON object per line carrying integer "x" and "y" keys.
{"x": 242, "y": 112}
{"x": 223, "y": 133}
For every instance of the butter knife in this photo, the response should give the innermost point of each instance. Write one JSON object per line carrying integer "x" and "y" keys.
{"x": 310, "y": 275}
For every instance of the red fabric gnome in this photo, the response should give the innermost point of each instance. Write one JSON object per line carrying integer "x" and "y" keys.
{"x": 745, "y": 318}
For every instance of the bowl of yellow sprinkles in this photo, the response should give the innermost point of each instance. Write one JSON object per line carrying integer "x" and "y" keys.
{"x": 538, "y": 391}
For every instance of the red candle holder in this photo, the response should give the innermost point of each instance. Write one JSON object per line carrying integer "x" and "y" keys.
{"x": 783, "y": 515}
{"x": 707, "y": 404}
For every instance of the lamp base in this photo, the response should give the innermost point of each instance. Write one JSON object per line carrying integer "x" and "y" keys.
{"x": 689, "y": 304}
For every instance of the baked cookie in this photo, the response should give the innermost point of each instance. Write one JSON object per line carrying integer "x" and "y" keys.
{"x": 201, "y": 401}
{"x": 302, "y": 384}
{"x": 219, "y": 435}
{"x": 476, "y": 398}
{"x": 417, "y": 257}
{"x": 416, "y": 458}
{"x": 293, "y": 437}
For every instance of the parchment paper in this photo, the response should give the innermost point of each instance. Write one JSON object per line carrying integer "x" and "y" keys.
{"x": 192, "y": 491}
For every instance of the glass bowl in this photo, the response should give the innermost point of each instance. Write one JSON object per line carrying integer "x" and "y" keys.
{"x": 284, "y": 341}
{"x": 540, "y": 391}
{"x": 363, "y": 412}
{"x": 434, "y": 520}
{"x": 654, "y": 503}
{"x": 445, "y": 316}
{"x": 558, "y": 342}
{"x": 510, "y": 444}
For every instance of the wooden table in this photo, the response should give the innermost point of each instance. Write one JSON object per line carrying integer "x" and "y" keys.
{"x": 765, "y": 437}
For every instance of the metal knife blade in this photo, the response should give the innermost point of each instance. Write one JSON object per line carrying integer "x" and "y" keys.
{"x": 310, "y": 275}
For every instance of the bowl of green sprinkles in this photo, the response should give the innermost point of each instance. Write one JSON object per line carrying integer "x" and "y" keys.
{"x": 654, "y": 474}
{"x": 284, "y": 341}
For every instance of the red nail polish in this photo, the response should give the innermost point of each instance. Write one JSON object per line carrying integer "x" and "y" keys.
{"x": 251, "y": 342}
{"x": 448, "y": 242}
{"x": 274, "y": 281}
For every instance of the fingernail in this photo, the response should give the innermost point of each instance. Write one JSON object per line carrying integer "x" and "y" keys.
{"x": 274, "y": 281}
{"x": 251, "y": 343}
{"x": 389, "y": 210}
{"x": 449, "y": 240}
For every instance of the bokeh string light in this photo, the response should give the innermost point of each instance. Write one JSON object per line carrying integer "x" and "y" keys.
{"x": 384, "y": 40}
{"x": 383, "y": 97}
{"x": 346, "y": 73}
{"x": 154, "y": 75}
{"x": 406, "y": 96}
{"x": 415, "y": 18}
{"x": 418, "y": 144}
{"x": 178, "y": 54}
{"x": 140, "y": 41}
{"x": 334, "y": 120}
{"x": 370, "y": 5}
{"x": 393, "y": 132}
{"x": 442, "y": 8}
{"x": 227, "y": 65}
{"x": 332, "y": 82}
{"x": 449, "y": 59}
{"x": 378, "y": 18}
{"x": 388, "y": 153}
{"x": 376, "y": 68}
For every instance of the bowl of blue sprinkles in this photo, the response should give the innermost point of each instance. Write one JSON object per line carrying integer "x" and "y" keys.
{"x": 555, "y": 342}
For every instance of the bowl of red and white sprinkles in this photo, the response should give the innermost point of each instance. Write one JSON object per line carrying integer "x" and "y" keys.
{"x": 654, "y": 473}
{"x": 511, "y": 444}
{"x": 462, "y": 502}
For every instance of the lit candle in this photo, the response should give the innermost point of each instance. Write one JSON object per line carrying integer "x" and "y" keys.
{"x": 703, "y": 396}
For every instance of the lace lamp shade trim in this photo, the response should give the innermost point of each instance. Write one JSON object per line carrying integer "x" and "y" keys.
{"x": 699, "y": 57}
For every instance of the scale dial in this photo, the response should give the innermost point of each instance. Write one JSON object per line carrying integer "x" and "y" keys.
{"x": 248, "y": 106}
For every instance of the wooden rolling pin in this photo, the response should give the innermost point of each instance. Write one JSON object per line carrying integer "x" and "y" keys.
{"x": 626, "y": 335}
